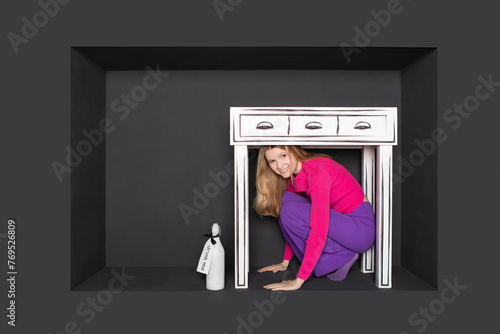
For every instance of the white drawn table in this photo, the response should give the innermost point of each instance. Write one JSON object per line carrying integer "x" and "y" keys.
{"x": 374, "y": 130}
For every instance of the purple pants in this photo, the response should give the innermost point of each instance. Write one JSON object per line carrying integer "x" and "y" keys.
{"x": 348, "y": 233}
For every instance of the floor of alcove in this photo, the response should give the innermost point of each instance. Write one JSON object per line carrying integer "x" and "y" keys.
{"x": 187, "y": 279}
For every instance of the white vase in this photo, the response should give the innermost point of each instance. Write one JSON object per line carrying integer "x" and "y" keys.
{"x": 215, "y": 276}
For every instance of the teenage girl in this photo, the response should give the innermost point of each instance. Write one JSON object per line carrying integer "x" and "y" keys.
{"x": 323, "y": 213}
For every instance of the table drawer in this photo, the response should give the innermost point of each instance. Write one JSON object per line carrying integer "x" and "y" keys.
{"x": 263, "y": 126}
{"x": 311, "y": 126}
{"x": 371, "y": 126}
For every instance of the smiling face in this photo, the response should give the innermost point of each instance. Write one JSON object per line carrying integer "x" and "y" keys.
{"x": 282, "y": 163}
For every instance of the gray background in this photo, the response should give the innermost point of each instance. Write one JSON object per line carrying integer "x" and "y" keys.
{"x": 36, "y": 129}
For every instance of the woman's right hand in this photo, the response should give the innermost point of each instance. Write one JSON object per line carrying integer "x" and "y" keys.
{"x": 275, "y": 267}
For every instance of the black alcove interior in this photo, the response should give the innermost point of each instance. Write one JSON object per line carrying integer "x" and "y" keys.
{"x": 128, "y": 194}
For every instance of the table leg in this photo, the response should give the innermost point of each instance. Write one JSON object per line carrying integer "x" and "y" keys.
{"x": 368, "y": 160}
{"x": 383, "y": 215}
{"x": 241, "y": 202}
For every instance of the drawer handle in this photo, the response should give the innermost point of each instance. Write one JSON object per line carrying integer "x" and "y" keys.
{"x": 314, "y": 125}
{"x": 362, "y": 125}
{"x": 265, "y": 125}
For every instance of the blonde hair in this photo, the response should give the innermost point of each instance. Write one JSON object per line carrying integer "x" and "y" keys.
{"x": 270, "y": 186}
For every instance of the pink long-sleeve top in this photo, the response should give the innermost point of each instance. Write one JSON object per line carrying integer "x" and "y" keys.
{"x": 328, "y": 185}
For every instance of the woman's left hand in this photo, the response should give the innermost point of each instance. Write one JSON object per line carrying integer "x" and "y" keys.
{"x": 286, "y": 285}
